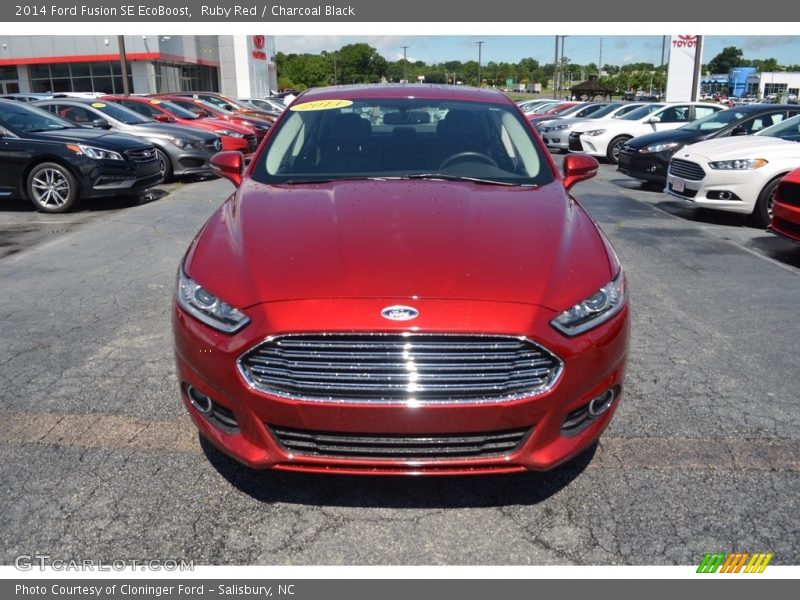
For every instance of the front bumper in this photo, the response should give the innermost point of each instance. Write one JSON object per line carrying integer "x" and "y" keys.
{"x": 786, "y": 220}
{"x": 189, "y": 161}
{"x": 101, "y": 178}
{"x": 712, "y": 191}
{"x": 649, "y": 167}
{"x": 593, "y": 363}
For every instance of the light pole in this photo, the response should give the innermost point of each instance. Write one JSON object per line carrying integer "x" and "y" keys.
{"x": 480, "y": 44}
{"x": 405, "y": 62}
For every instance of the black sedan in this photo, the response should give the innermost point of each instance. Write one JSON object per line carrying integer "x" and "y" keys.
{"x": 54, "y": 163}
{"x": 647, "y": 157}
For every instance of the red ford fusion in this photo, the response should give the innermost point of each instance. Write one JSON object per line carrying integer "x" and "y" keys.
{"x": 785, "y": 219}
{"x": 401, "y": 284}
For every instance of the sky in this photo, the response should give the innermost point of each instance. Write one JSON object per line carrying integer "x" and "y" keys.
{"x": 581, "y": 49}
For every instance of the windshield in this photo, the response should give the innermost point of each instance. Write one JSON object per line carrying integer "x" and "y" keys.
{"x": 572, "y": 110}
{"x": 716, "y": 120}
{"x": 120, "y": 113}
{"x": 403, "y": 138}
{"x": 785, "y": 130}
{"x": 22, "y": 118}
{"x": 175, "y": 110}
{"x": 642, "y": 112}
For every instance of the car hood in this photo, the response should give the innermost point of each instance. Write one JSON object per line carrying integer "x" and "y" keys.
{"x": 111, "y": 140}
{"x": 663, "y": 137}
{"x": 403, "y": 240}
{"x": 747, "y": 146}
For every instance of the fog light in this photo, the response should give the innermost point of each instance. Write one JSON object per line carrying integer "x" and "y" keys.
{"x": 599, "y": 405}
{"x": 199, "y": 400}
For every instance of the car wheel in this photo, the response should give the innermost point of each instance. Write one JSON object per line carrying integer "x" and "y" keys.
{"x": 762, "y": 212}
{"x": 612, "y": 153}
{"x": 165, "y": 165}
{"x": 52, "y": 188}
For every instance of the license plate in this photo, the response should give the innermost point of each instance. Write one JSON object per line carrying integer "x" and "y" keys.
{"x": 678, "y": 184}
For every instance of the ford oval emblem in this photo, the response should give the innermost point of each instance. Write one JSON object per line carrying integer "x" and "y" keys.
{"x": 399, "y": 313}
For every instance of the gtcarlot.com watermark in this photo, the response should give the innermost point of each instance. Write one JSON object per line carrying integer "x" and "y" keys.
{"x": 45, "y": 562}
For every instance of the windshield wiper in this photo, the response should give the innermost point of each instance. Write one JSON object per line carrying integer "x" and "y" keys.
{"x": 329, "y": 180}
{"x": 445, "y": 177}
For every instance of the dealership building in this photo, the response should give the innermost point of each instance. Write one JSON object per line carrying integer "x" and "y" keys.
{"x": 236, "y": 65}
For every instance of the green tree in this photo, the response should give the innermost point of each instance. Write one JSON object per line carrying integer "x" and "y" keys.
{"x": 730, "y": 57}
{"x": 360, "y": 63}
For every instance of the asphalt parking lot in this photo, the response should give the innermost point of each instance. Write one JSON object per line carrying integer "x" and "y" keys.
{"x": 101, "y": 462}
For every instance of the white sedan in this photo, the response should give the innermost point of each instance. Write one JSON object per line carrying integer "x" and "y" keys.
{"x": 737, "y": 174}
{"x": 555, "y": 132}
{"x": 607, "y": 137}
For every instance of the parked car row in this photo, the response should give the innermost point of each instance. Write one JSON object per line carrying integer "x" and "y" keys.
{"x": 732, "y": 160}
{"x": 136, "y": 142}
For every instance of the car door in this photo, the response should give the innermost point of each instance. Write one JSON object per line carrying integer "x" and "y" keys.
{"x": 672, "y": 117}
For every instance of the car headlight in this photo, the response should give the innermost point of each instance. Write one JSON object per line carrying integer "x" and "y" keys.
{"x": 594, "y": 310}
{"x": 179, "y": 142}
{"x": 653, "y": 148}
{"x": 94, "y": 152}
{"x": 594, "y": 132}
{"x": 229, "y": 133}
{"x": 742, "y": 164}
{"x": 206, "y": 307}
{"x": 560, "y": 127}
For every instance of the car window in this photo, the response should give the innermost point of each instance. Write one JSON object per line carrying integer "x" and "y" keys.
{"x": 715, "y": 120}
{"x": 674, "y": 114}
{"x": 788, "y": 129}
{"x": 641, "y": 112}
{"x": 764, "y": 121}
{"x": 391, "y": 138}
{"x": 703, "y": 111}
{"x": 77, "y": 114}
{"x": 21, "y": 118}
{"x": 139, "y": 107}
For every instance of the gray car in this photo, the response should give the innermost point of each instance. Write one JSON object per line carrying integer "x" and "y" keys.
{"x": 181, "y": 150}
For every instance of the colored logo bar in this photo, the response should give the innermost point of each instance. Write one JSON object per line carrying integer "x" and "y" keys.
{"x": 734, "y": 563}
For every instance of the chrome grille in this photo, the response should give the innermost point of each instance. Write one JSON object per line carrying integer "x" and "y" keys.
{"x": 142, "y": 155}
{"x": 686, "y": 169}
{"x": 399, "y": 446}
{"x": 400, "y": 368}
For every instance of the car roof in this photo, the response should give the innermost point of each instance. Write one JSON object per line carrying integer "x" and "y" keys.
{"x": 404, "y": 90}
{"x": 764, "y": 107}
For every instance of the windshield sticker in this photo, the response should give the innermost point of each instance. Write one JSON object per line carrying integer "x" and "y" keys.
{"x": 321, "y": 105}
{"x": 98, "y": 105}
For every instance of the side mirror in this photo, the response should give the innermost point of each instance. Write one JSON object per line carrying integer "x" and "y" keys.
{"x": 229, "y": 107}
{"x": 653, "y": 119}
{"x": 162, "y": 118}
{"x": 739, "y": 130}
{"x": 230, "y": 165}
{"x": 579, "y": 167}
{"x": 100, "y": 124}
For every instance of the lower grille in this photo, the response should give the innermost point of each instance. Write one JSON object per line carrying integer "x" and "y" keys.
{"x": 686, "y": 169}
{"x": 789, "y": 193}
{"x": 787, "y": 226}
{"x": 575, "y": 142}
{"x": 399, "y": 446}
{"x": 400, "y": 368}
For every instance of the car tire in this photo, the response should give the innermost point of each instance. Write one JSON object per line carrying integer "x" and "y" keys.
{"x": 612, "y": 152}
{"x": 762, "y": 211}
{"x": 51, "y": 187}
{"x": 165, "y": 164}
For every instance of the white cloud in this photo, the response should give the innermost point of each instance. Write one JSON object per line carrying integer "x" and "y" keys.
{"x": 762, "y": 42}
